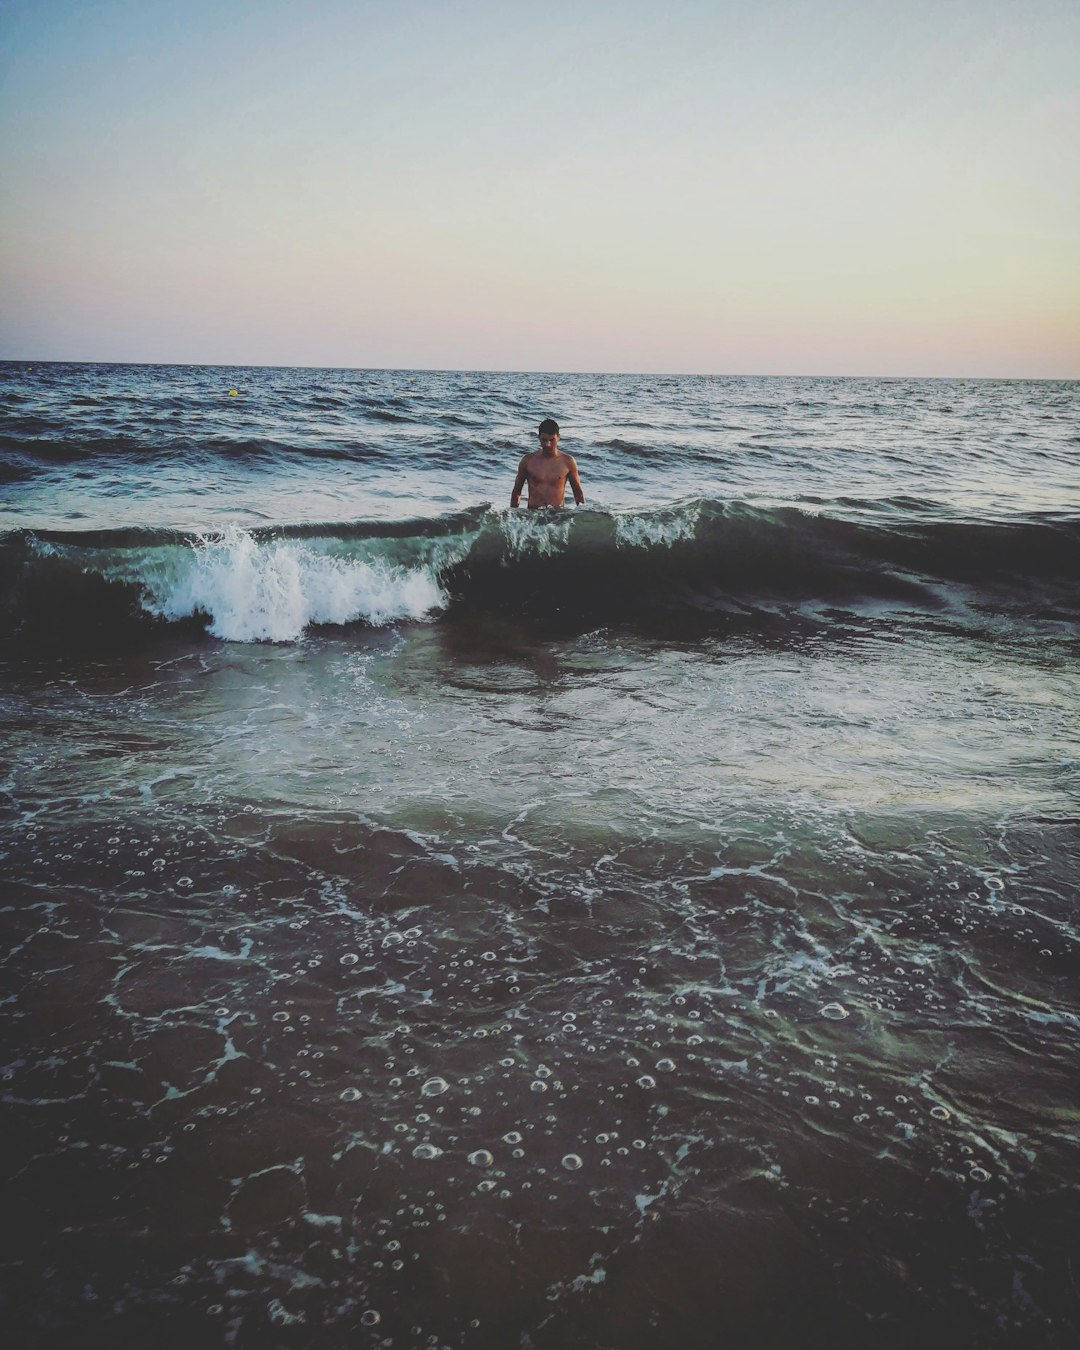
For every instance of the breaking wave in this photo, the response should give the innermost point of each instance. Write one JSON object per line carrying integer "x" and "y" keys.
{"x": 701, "y": 556}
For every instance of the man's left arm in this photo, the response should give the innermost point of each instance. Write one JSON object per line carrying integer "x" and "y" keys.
{"x": 575, "y": 481}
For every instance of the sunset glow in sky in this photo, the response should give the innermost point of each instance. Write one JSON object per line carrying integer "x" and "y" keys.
{"x": 798, "y": 188}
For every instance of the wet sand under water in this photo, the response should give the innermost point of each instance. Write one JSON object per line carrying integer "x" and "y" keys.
{"x": 462, "y": 984}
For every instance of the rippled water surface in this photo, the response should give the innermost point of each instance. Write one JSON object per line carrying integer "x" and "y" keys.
{"x": 649, "y": 927}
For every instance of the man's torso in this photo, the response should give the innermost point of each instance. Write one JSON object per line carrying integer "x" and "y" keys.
{"x": 547, "y": 475}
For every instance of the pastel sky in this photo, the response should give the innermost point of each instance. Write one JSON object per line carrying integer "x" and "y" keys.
{"x": 801, "y": 187}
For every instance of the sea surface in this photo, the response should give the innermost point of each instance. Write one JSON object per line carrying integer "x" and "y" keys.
{"x": 650, "y": 925}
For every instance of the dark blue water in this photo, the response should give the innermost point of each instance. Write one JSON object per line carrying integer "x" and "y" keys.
{"x": 647, "y": 925}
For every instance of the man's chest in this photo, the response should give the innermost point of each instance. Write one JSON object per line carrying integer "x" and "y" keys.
{"x": 547, "y": 470}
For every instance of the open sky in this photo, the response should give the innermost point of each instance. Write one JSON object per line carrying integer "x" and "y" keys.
{"x": 797, "y": 187}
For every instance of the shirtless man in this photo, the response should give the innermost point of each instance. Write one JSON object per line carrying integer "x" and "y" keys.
{"x": 547, "y": 471}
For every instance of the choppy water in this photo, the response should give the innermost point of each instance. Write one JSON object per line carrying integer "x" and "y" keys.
{"x": 652, "y": 925}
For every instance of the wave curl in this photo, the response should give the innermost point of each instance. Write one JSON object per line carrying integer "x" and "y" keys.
{"x": 703, "y": 556}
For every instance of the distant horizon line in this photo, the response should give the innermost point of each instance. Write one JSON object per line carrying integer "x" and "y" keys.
{"x": 31, "y": 362}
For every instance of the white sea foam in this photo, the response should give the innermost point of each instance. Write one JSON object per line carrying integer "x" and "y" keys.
{"x": 270, "y": 591}
{"x": 535, "y": 533}
{"x": 641, "y": 529}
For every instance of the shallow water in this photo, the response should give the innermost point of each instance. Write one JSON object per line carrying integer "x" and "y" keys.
{"x": 505, "y": 976}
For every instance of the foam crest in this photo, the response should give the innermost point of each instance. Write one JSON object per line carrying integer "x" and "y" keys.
{"x": 271, "y": 590}
{"x": 536, "y": 533}
{"x": 657, "y": 528}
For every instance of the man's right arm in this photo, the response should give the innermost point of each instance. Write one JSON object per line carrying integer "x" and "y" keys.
{"x": 519, "y": 481}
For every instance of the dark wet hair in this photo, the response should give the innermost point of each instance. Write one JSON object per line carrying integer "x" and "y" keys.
{"x": 549, "y": 427}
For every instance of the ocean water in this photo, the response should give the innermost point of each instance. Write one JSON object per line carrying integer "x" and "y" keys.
{"x": 641, "y": 926}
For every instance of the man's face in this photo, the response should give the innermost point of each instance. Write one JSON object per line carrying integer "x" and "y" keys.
{"x": 549, "y": 442}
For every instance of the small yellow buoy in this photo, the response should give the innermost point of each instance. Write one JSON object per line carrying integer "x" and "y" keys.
{"x": 232, "y": 393}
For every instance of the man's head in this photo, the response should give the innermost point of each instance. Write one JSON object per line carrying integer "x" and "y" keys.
{"x": 549, "y": 434}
